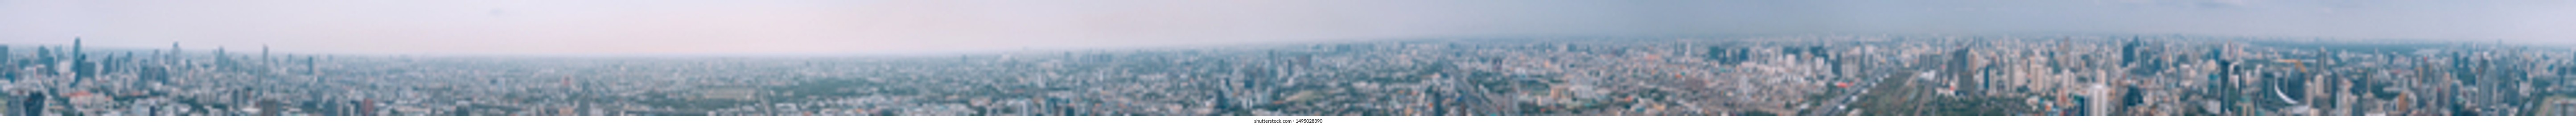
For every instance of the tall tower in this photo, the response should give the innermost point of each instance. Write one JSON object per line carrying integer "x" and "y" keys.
{"x": 77, "y": 57}
{"x": 221, "y": 60}
{"x": 6, "y": 61}
{"x": 44, "y": 56}
{"x": 113, "y": 62}
{"x": 174, "y": 51}
{"x": 311, "y": 70}
{"x": 4, "y": 53}
{"x": 79, "y": 65}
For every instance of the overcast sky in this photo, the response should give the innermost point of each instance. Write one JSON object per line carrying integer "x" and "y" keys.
{"x": 649, "y": 27}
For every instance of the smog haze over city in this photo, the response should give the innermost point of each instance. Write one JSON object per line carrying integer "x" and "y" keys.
{"x": 1287, "y": 58}
{"x": 653, "y": 27}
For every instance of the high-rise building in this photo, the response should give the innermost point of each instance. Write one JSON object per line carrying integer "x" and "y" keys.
{"x": 8, "y": 63}
{"x": 173, "y": 56}
{"x": 222, "y": 60}
{"x": 34, "y": 104}
{"x": 9, "y": 104}
{"x": 79, "y": 64}
{"x": 268, "y": 108}
{"x": 366, "y": 107}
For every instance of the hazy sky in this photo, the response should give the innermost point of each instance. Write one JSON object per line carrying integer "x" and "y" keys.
{"x": 650, "y": 27}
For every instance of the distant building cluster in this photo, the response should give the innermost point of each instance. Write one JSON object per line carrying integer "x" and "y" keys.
{"x": 1803, "y": 75}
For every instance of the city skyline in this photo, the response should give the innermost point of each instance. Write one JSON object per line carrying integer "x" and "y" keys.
{"x": 805, "y": 28}
{"x": 1786, "y": 75}
{"x": 1291, "y": 61}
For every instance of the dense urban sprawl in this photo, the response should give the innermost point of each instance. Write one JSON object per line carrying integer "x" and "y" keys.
{"x": 1807, "y": 75}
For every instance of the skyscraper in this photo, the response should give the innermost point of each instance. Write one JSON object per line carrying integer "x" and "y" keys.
{"x": 79, "y": 64}
{"x": 33, "y": 106}
{"x": 222, "y": 61}
{"x": 174, "y": 52}
{"x": 5, "y": 60}
{"x": 4, "y": 52}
